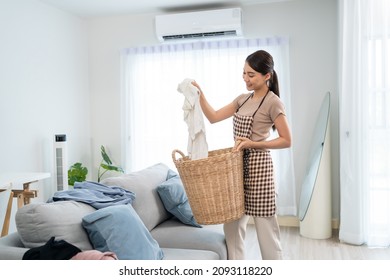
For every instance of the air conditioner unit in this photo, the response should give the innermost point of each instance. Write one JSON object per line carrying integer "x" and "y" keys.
{"x": 199, "y": 25}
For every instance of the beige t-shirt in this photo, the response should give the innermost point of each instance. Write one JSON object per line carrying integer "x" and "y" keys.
{"x": 264, "y": 118}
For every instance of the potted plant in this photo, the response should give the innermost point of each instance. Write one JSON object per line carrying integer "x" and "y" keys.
{"x": 77, "y": 173}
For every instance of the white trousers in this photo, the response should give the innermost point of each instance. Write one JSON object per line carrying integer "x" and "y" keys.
{"x": 268, "y": 236}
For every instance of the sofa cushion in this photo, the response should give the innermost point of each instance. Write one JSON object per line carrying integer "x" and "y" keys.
{"x": 175, "y": 200}
{"x": 38, "y": 222}
{"x": 11, "y": 247}
{"x": 119, "y": 229}
{"x": 172, "y": 234}
{"x": 144, "y": 184}
{"x": 189, "y": 254}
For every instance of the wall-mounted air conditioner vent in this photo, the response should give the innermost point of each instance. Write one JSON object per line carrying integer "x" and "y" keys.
{"x": 199, "y": 25}
{"x": 200, "y": 35}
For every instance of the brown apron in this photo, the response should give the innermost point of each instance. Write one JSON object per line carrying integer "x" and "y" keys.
{"x": 259, "y": 187}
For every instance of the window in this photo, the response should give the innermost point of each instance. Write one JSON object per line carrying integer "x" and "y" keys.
{"x": 378, "y": 53}
{"x": 364, "y": 122}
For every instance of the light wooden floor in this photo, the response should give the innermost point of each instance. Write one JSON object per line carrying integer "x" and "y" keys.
{"x": 296, "y": 247}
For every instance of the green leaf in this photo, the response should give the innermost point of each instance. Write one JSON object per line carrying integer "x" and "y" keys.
{"x": 111, "y": 167}
{"x": 105, "y": 157}
{"x": 77, "y": 173}
{"x": 106, "y": 164}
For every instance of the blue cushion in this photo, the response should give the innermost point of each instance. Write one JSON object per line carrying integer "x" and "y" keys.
{"x": 175, "y": 199}
{"x": 171, "y": 174}
{"x": 119, "y": 229}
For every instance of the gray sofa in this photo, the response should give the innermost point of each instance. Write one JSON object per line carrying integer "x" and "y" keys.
{"x": 176, "y": 237}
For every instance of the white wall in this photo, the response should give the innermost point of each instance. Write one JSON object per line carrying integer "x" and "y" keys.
{"x": 107, "y": 38}
{"x": 44, "y": 87}
{"x": 311, "y": 26}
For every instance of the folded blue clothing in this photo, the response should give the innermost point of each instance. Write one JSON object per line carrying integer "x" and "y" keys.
{"x": 95, "y": 194}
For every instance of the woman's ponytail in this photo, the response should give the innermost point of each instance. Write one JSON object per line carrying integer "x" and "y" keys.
{"x": 274, "y": 83}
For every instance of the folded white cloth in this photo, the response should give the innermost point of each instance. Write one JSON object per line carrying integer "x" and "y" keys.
{"x": 197, "y": 147}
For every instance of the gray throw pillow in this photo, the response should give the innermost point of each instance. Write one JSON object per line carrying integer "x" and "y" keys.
{"x": 144, "y": 183}
{"x": 38, "y": 222}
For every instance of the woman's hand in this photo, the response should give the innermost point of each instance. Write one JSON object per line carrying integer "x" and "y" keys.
{"x": 211, "y": 114}
{"x": 242, "y": 143}
{"x": 195, "y": 84}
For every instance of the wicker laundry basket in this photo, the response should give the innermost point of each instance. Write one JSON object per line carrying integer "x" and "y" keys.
{"x": 214, "y": 185}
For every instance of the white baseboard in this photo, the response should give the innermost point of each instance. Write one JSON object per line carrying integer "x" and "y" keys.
{"x": 293, "y": 221}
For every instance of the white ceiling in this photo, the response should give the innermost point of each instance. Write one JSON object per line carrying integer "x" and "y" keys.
{"x": 95, "y": 8}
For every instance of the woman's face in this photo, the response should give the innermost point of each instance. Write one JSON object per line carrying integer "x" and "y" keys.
{"x": 254, "y": 80}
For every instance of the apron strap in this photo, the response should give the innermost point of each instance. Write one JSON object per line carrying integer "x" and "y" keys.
{"x": 260, "y": 104}
{"x": 244, "y": 102}
{"x": 257, "y": 107}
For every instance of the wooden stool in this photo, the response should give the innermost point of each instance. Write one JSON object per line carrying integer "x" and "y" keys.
{"x": 24, "y": 196}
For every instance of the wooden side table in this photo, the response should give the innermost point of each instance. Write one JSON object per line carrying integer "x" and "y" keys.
{"x": 23, "y": 195}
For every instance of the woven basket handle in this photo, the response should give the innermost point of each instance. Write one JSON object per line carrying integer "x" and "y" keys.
{"x": 174, "y": 154}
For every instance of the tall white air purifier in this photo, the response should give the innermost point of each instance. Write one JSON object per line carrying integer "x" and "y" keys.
{"x": 61, "y": 162}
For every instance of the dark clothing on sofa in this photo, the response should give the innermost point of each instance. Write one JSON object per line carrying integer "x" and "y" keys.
{"x": 52, "y": 250}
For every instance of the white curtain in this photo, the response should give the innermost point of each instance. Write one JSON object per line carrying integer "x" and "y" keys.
{"x": 153, "y": 124}
{"x": 365, "y": 122}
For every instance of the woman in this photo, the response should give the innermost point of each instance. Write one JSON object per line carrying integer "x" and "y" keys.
{"x": 254, "y": 114}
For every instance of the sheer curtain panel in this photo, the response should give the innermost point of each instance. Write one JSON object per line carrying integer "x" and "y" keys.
{"x": 365, "y": 122}
{"x": 153, "y": 120}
